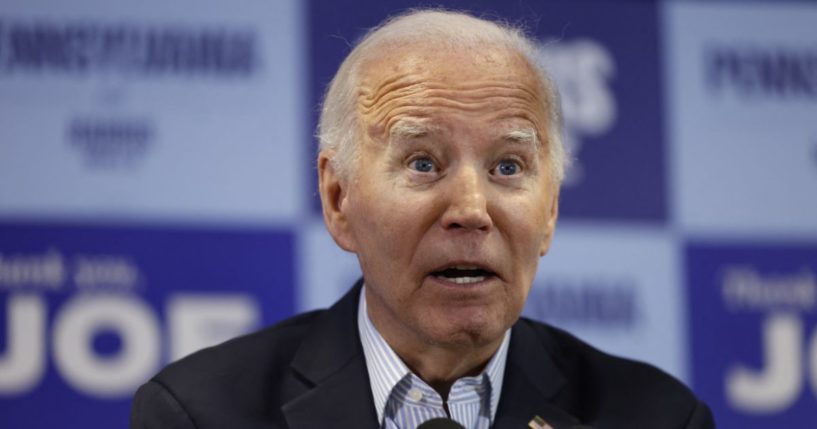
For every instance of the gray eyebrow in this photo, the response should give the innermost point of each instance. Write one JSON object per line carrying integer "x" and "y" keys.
{"x": 408, "y": 129}
{"x": 413, "y": 129}
{"x": 523, "y": 135}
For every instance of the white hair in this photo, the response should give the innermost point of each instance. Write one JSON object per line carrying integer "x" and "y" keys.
{"x": 338, "y": 127}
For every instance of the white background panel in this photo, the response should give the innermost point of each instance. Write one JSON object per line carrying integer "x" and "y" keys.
{"x": 326, "y": 271}
{"x": 221, "y": 147}
{"x": 602, "y": 263}
{"x": 744, "y": 151}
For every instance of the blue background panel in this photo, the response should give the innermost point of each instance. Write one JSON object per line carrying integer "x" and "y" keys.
{"x": 735, "y": 292}
{"x": 169, "y": 262}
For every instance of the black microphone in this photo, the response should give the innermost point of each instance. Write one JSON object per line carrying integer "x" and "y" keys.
{"x": 440, "y": 423}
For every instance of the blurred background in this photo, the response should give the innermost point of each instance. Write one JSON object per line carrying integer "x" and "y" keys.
{"x": 158, "y": 190}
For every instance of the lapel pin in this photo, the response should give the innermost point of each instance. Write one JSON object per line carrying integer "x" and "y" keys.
{"x": 538, "y": 423}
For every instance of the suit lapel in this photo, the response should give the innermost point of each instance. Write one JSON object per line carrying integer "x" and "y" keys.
{"x": 331, "y": 363}
{"x": 531, "y": 384}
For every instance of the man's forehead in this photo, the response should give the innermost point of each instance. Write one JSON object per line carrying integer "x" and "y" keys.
{"x": 444, "y": 63}
{"x": 491, "y": 84}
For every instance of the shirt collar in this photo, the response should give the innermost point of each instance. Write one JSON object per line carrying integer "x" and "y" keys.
{"x": 386, "y": 369}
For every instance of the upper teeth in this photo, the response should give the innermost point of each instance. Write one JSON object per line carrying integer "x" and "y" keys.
{"x": 464, "y": 280}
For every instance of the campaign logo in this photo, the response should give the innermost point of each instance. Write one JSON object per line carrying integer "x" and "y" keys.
{"x": 751, "y": 71}
{"x": 612, "y": 97}
{"x": 615, "y": 288}
{"x": 743, "y": 102}
{"x": 590, "y": 303}
{"x": 87, "y": 314}
{"x": 753, "y": 313}
{"x": 111, "y": 143}
{"x": 115, "y": 112}
{"x": 117, "y": 55}
{"x": 79, "y": 48}
{"x": 583, "y": 71}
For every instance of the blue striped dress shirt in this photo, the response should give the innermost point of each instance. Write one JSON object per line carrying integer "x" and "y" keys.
{"x": 404, "y": 401}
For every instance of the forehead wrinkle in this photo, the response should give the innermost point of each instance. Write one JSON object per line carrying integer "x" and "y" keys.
{"x": 396, "y": 86}
{"x": 401, "y": 86}
{"x": 514, "y": 100}
{"x": 487, "y": 85}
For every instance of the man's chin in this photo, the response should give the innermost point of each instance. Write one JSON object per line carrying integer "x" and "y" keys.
{"x": 467, "y": 334}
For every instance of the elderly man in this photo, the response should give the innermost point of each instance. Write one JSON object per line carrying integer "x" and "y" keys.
{"x": 440, "y": 165}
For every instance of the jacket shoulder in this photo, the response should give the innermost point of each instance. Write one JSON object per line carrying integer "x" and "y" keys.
{"x": 606, "y": 390}
{"x": 246, "y": 376}
{"x": 270, "y": 348}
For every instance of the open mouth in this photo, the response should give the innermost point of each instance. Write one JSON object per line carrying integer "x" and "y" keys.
{"x": 463, "y": 274}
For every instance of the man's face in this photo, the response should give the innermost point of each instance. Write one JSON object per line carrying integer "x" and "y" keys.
{"x": 451, "y": 201}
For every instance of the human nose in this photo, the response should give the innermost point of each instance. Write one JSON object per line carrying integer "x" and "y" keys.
{"x": 467, "y": 205}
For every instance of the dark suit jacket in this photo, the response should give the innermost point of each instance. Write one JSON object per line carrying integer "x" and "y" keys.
{"x": 310, "y": 372}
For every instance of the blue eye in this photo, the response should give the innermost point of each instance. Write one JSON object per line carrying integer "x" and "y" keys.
{"x": 423, "y": 165}
{"x": 507, "y": 168}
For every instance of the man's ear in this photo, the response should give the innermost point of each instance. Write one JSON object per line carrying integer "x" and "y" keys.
{"x": 550, "y": 227}
{"x": 334, "y": 194}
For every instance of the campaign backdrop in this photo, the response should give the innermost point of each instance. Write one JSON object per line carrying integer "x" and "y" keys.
{"x": 158, "y": 190}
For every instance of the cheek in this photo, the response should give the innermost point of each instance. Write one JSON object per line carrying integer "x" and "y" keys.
{"x": 387, "y": 222}
{"x": 528, "y": 216}
{"x": 528, "y": 225}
